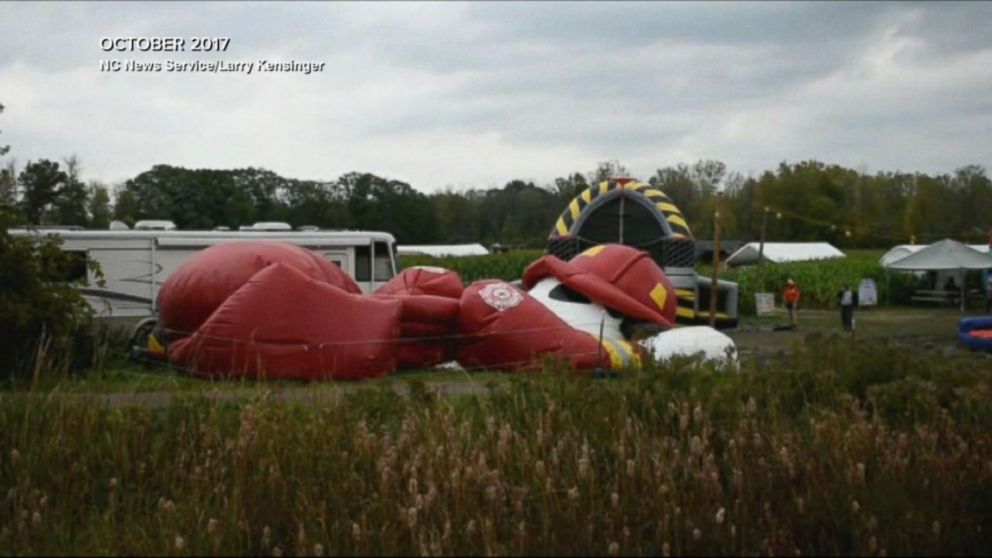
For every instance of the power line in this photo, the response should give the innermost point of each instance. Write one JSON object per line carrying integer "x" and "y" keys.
{"x": 848, "y": 231}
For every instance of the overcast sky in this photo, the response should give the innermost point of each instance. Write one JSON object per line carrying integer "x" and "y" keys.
{"x": 473, "y": 95}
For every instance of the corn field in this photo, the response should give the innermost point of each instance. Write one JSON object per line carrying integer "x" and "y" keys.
{"x": 506, "y": 266}
{"x": 837, "y": 448}
{"x": 819, "y": 280}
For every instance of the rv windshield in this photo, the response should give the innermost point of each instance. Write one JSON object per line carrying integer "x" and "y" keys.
{"x": 383, "y": 262}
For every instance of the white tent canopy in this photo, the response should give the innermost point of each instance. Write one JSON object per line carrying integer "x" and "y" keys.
{"x": 943, "y": 255}
{"x": 440, "y": 250}
{"x": 946, "y": 255}
{"x": 903, "y": 250}
{"x": 896, "y": 253}
{"x": 780, "y": 252}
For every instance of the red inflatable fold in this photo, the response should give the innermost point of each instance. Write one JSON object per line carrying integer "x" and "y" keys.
{"x": 424, "y": 280}
{"x": 429, "y": 315}
{"x": 283, "y": 325}
{"x": 204, "y": 281}
{"x": 616, "y": 276}
{"x": 506, "y": 328}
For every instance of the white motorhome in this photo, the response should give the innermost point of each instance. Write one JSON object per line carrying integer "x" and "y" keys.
{"x": 135, "y": 263}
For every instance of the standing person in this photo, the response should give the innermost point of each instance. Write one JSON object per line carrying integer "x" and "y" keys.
{"x": 848, "y": 300}
{"x": 988, "y": 291}
{"x": 791, "y": 298}
{"x": 951, "y": 286}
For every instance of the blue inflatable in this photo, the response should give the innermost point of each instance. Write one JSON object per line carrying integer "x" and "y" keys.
{"x": 976, "y": 333}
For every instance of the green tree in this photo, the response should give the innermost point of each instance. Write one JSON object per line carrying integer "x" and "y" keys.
{"x": 193, "y": 199}
{"x": 8, "y": 185}
{"x": 10, "y": 212}
{"x": 126, "y": 207}
{"x": 41, "y": 309}
{"x": 265, "y": 189}
{"x": 707, "y": 175}
{"x": 929, "y": 216}
{"x": 381, "y": 204}
{"x": 314, "y": 203}
{"x": 677, "y": 183}
{"x": 605, "y": 170}
{"x": 570, "y": 186}
{"x": 98, "y": 206}
{"x": 41, "y": 183}
{"x": 973, "y": 193}
{"x": 458, "y": 216}
{"x": 69, "y": 205}
{"x": 4, "y": 149}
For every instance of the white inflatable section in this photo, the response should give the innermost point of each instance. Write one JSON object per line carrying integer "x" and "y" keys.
{"x": 431, "y": 268}
{"x": 687, "y": 341}
{"x": 585, "y": 316}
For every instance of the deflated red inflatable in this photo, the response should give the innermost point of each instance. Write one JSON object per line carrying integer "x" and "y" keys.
{"x": 282, "y": 324}
{"x": 616, "y": 276}
{"x": 505, "y": 327}
{"x": 208, "y": 278}
{"x": 424, "y": 280}
{"x": 278, "y": 311}
{"x": 429, "y": 317}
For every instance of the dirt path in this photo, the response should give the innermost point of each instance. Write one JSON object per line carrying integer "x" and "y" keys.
{"x": 918, "y": 326}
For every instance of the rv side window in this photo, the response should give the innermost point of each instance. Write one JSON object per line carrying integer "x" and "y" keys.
{"x": 77, "y": 266}
{"x": 383, "y": 268}
{"x": 362, "y": 263}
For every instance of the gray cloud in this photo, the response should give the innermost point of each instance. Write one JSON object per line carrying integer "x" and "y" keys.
{"x": 476, "y": 94}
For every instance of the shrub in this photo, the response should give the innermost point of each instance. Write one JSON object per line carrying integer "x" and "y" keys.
{"x": 42, "y": 315}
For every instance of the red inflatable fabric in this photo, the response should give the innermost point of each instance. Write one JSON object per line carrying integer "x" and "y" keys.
{"x": 207, "y": 279}
{"x": 283, "y": 325}
{"x": 504, "y": 327}
{"x": 424, "y": 280}
{"x": 429, "y": 316}
{"x": 616, "y": 276}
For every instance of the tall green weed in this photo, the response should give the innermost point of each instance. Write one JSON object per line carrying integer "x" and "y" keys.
{"x": 835, "y": 448}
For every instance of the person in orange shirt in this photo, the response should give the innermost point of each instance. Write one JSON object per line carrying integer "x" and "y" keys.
{"x": 791, "y": 298}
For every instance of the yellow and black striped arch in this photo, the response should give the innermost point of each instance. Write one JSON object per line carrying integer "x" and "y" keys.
{"x": 671, "y": 213}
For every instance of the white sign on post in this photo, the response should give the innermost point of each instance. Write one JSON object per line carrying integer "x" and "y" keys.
{"x": 764, "y": 303}
{"x": 867, "y": 293}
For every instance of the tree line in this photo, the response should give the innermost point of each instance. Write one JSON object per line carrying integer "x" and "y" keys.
{"x": 801, "y": 201}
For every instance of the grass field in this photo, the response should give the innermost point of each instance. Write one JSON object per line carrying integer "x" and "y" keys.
{"x": 874, "y": 443}
{"x": 877, "y": 443}
{"x": 913, "y": 327}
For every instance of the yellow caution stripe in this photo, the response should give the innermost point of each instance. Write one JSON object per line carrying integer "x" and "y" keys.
{"x": 676, "y": 221}
{"x": 154, "y": 346}
{"x": 616, "y": 361}
{"x": 683, "y": 312}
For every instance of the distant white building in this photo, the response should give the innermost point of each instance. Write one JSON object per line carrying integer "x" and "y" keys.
{"x": 441, "y": 250}
{"x": 781, "y": 252}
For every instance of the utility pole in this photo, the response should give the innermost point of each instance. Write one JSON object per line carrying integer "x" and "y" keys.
{"x": 716, "y": 260}
{"x": 761, "y": 251}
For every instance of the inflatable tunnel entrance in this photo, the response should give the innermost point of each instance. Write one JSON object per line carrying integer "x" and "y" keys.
{"x": 629, "y": 212}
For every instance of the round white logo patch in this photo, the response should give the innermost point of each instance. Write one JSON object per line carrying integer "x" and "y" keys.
{"x": 501, "y": 296}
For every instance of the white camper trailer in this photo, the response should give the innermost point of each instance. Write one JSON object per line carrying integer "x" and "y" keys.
{"x": 135, "y": 263}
